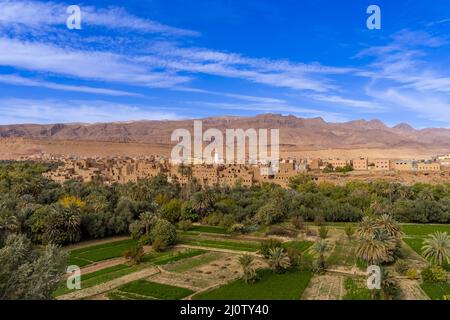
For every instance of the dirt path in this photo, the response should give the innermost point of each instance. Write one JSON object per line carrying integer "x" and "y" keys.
{"x": 110, "y": 285}
{"x": 411, "y": 290}
{"x": 90, "y": 243}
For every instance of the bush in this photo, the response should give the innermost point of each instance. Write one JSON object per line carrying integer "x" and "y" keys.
{"x": 401, "y": 266}
{"x": 412, "y": 274}
{"x": 164, "y": 231}
{"x": 305, "y": 263}
{"x": 434, "y": 274}
{"x": 294, "y": 257}
{"x": 238, "y": 228}
{"x": 349, "y": 231}
{"x": 134, "y": 255}
{"x": 319, "y": 220}
{"x": 298, "y": 222}
{"x": 282, "y": 231}
{"x": 267, "y": 245}
{"x": 323, "y": 232}
{"x": 185, "y": 225}
{"x": 159, "y": 245}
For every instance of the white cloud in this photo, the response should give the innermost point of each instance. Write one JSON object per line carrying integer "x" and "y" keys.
{"x": 90, "y": 65}
{"x": 15, "y": 111}
{"x": 21, "y": 81}
{"x": 36, "y": 14}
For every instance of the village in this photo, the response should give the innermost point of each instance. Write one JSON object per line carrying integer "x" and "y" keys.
{"x": 129, "y": 169}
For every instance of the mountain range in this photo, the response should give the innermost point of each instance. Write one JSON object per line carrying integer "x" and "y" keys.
{"x": 312, "y": 133}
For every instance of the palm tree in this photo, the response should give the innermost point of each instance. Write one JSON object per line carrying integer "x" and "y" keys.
{"x": 8, "y": 224}
{"x": 388, "y": 223}
{"x": 246, "y": 262}
{"x": 437, "y": 248}
{"x": 186, "y": 171}
{"x": 367, "y": 227}
{"x": 147, "y": 219}
{"x": 278, "y": 259}
{"x": 372, "y": 250}
{"x": 319, "y": 248}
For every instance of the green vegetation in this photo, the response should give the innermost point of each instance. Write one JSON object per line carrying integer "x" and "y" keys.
{"x": 436, "y": 291}
{"x": 301, "y": 246}
{"x": 194, "y": 261}
{"x": 208, "y": 229}
{"x": 356, "y": 290}
{"x": 84, "y": 256}
{"x": 344, "y": 254}
{"x": 99, "y": 277}
{"x": 414, "y": 230}
{"x": 270, "y": 286}
{"x": 218, "y": 244}
{"x": 149, "y": 290}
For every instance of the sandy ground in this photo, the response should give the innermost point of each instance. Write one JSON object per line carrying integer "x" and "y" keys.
{"x": 12, "y": 148}
{"x": 325, "y": 287}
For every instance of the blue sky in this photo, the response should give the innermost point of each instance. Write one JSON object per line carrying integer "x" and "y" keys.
{"x": 175, "y": 59}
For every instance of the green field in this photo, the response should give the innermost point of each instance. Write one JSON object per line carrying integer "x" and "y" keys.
{"x": 356, "y": 290}
{"x": 424, "y": 229}
{"x": 99, "y": 277}
{"x": 144, "y": 290}
{"x": 208, "y": 229}
{"x": 436, "y": 291}
{"x": 220, "y": 244}
{"x": 162, "y": 258}
{"x": 188, "y": 264}
{"x": 301, "y": 246}
{"x": 344, "y": 254}
{"x": 286, "y": 286}
{"x": 85, "y": 256}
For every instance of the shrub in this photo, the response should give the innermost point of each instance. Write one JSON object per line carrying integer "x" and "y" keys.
{"x": 319, "y": 220}
{"x": 159, "y": 245}
{"x": 401, "y": 266}
{"x": 164, "y": 231}
{"x": 298, "y": 222}
{"x": 294, "y": 257}
{"x": 434, "y": 274}
{"x": 281, "y": 231}
{"x": 305, "y": 263}
{"x": 185, "y": 225}
{"x": 238, "y": 228}
{"x": 267, "y": 245}
{"x": 134, "y": 255}
{"x": 145, "y": 240}
{"x": 412, "y": 274}
{"x": 323, "y": 232}
{"x": 349, "y": 231}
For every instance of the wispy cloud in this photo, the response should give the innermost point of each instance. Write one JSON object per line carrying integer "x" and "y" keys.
{"x": 36, "y": 14}
{"x": 21, "y": 81}
{"x": 15, "y": 111}
{"x": 91, "y": 65}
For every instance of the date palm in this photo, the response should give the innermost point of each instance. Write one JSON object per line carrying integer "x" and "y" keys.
{"x": 319, "y": 248}
{"x": 246, "y": 262}
{"x": 372, "y": 250}
{"x": 437, "y": 248}
{"x": 367, "y": 227}
{"x": 278, "y": 259}
{"x": 388, "y": 223}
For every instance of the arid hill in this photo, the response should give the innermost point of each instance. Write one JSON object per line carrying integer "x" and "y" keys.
{"x": 295, "y": 132}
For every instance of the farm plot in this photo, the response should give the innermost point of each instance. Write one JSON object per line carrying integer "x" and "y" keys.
{"x": 325, "y": 287}
{"x": 147, "y": 290}
{"x": 437, "y": 291}
{"x": 98, "y": 277}
{"x": 85, "y": 256}
{"x": 271, "y": 286}
{"x": 209, "y": 242}
{"x": 416, "y": 234}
